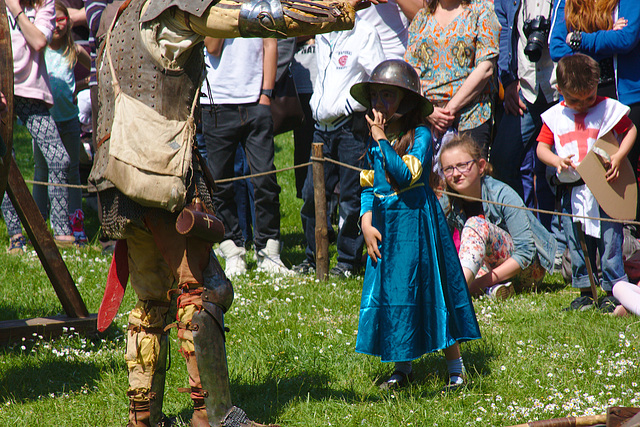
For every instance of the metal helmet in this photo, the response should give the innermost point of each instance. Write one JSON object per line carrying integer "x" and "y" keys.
{"x": 397, "y": 73}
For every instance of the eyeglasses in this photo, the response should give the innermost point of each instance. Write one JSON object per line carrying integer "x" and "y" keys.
{"x": 61, "y": 20}
{"x": 463, "y": 168}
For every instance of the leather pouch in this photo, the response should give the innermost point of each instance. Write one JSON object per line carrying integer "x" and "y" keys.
{"x": 193, "y": 221}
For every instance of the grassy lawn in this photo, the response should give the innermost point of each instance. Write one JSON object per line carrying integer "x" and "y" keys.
{"x": 291, "y": 351}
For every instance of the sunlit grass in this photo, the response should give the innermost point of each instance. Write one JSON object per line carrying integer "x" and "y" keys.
{"x": 292, "y": 359}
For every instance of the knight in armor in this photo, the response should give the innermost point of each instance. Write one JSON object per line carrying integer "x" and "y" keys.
{"x": 151, "y": 54}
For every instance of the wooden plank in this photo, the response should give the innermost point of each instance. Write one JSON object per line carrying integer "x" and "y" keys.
{"x": 48, "y": 327}
{"x": 44, "y": 245}
{"x": 6, "y": 85}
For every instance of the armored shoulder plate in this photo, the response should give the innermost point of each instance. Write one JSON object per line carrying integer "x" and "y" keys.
{"x": 193, "y": 7}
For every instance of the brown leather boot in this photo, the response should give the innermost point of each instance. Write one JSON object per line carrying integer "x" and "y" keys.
{"x": 199, "y": 418}
{"x": 139, "y": 414}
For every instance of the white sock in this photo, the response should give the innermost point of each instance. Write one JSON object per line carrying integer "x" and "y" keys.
{"x": 456, "y": 368}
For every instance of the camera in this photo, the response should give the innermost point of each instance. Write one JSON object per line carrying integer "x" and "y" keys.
{"x": 537, "y": 32}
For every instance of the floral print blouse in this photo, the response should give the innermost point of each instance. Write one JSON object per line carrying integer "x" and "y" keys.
{"x": 444, "y": 57}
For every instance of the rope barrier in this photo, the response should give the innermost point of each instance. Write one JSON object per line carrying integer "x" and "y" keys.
{"x": 335, "y": 162}
{"x": 51, "y": 184}
{"x": 475, "y": 199}
{"x": 448, "y": 193}
{"x": 238, "y": 178}
{"x": 355, "y": 168}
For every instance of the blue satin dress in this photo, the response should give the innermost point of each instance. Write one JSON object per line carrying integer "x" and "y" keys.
{"x": 414, "y": 299}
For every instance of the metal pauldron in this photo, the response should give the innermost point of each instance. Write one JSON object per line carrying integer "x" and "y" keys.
{"x": 262, "y": 18}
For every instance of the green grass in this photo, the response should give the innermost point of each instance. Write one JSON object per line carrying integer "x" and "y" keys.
{"x": 291, "y": 352}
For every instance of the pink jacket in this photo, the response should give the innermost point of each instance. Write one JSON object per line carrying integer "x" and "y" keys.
{"x": 29, "y": 70}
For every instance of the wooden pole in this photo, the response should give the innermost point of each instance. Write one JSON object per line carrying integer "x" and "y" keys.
{"x": 587, "y": 262}
{"x": 44, "y": 245}
{"x": 587, "y": 420}
{"x": 320, "y": 200}
{"x": 6, "y": 86}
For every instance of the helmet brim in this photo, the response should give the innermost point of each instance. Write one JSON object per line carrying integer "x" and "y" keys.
{"x": 361, "y": 93}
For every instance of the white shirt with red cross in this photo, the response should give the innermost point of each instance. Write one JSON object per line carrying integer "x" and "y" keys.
{"x": 575, "y": 133}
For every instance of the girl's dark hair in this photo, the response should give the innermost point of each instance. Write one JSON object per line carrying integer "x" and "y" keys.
{"x": 408, "y": 124}
{"x": 431, "y": 5}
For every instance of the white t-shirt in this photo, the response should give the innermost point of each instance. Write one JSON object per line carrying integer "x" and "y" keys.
{"x": 344, "y": 58}
{"x": 234, "y": 77}
{"x": 538, "y": 76}
{"x": 392, "y": 26}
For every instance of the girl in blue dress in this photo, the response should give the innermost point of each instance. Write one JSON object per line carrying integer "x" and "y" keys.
{"x": 415, "y": 299}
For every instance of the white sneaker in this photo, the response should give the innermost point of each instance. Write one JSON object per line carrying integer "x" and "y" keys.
{"x": 269, "y": 259}
{"x": 235, "y": 262}
{"x": 501, "y": 291}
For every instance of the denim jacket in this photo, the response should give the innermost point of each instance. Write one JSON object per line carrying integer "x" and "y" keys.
{"x": 506, "y": 11}
{"x": 528, "y": 234}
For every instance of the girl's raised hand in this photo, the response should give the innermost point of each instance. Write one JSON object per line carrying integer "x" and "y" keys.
{"x": 376, "y": 125}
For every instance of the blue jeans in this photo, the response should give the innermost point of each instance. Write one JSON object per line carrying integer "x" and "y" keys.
{"x": 513, "y": 156}
{"x": 609, "y": 245}
{"x": 70, "y": 135}
{"x": 224, "y": 127}
{"x": 36, "y": 117}
{"x": 342, "y": 145}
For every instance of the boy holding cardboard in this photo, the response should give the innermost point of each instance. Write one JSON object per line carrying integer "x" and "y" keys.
{"x": 571, "y": 128}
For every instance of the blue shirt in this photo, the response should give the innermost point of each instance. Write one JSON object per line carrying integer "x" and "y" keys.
{"x": 621, "y": 44}
{"x": 63, "y": 83}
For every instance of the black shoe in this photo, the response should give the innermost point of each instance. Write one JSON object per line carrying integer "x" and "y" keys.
{"x": 582, "y": 303}
{"x": 402, "y": 380}
{"x": 342, "y": 270}
{"x": 305, "y": 267}
{"x": 454, "y": 383}
{"x": 608, "y": 304}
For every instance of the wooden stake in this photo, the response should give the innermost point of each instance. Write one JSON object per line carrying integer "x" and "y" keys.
{"x": 320, "y": 200}
{"x": 45, "y": 247}
{"x": 587, "y": 261}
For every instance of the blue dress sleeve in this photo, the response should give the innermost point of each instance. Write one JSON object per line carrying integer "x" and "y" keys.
{"x": 407, "y": 170}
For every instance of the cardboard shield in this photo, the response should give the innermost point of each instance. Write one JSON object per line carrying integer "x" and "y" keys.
{"x": 618, "y": 198}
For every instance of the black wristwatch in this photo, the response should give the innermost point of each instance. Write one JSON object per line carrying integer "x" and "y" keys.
{"x": 575, "y": 41}
{"x": 267, "y": 92}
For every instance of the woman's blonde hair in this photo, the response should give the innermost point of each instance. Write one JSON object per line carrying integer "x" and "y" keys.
{"x": 68, "y": 43}
{"x": 468, "y": 144}
{"x": 588, "y": 15}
